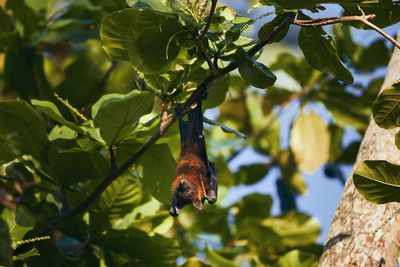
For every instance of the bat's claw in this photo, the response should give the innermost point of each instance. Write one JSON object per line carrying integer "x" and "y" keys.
{"x": 212, "y": 197}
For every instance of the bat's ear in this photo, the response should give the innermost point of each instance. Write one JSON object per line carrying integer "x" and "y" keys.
{"x": 198, "y": 204}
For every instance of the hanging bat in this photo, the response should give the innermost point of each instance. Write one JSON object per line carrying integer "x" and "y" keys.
{"x": 195, "y": 176}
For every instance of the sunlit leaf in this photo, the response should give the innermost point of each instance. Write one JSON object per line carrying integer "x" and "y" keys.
{"x": 117, "y": 118}
{"x": 149, "y": 39}
{"x": 310, "y": 141}
{"x": 217, "y": 260}
{"x": 296, "y": 258}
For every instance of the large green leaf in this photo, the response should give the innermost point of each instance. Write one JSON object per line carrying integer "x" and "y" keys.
{"x": 51, "y": 110}
{"x": 310, "y": 141}
{"x": 294, "y": 229}
{"x": 71, "y": 163}
{"x": 297, "y": 258}
{"x": 320, "y": 52}
{"x": 5, "y": 245}
{"x": 158, "y": 172}
{"x": 378, "y": 181}
{"x": 253, "y": 72}
{"x": 147, "y": 250}
{"x": 217, "y": 260}
{"x": 150, "y": 39}
{"x": 19, "y": 222}
{"x": 118, "y": 117}
{"x": 120, "y": 198}
{"x": 22, "y": 129}
{"x": 269, "y": 27}
{"x": 83, "y": 78}
{"x": 386, "y": 108}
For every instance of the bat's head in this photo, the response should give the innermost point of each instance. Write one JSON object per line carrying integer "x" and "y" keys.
{"x": 185, "y": 192}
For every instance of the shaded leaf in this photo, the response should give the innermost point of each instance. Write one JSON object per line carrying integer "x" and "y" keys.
{"x": 22, "y": 128}
{"x": 118, "y": 249}
{"x": 253, "y": 72}
{"x": 294, "y": 229}
{"x": 149, "y": 39}
{"x": 6, "y": 251}
{"x": 386, "y": 108}
{"x": 269, "y": 27}
{"x": 120, "y": 198}
{"x": 378, "y": 181}
{"x": 320, "y": 52}
{"x": 158, "y": 172}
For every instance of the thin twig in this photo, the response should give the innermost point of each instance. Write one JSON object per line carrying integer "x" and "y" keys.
{"x": 364, "y": 19}
{"x": 63, "y": 199}
{"x": 209, "y": 18}
{"x": 113, "y": 158}
{"x": 201, "y": 90}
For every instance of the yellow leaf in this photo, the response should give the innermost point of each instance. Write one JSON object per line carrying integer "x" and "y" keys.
{"x": 310, "y": 141}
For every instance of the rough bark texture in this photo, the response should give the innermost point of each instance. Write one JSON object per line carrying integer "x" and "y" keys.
{"x": 352, "y": 240}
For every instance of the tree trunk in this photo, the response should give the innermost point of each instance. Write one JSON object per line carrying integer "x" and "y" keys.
{"x": 353, "y": 239}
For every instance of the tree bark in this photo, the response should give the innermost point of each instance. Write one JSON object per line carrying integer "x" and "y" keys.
{"x": 353, "y": 239}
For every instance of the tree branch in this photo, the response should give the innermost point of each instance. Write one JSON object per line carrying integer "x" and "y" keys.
{"x": 200, "y": 37}
{"x": 201, "y": 91}
{"x": 364, "y": 19}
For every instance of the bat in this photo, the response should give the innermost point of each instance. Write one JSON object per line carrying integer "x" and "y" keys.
{"x": 195, "y": 176}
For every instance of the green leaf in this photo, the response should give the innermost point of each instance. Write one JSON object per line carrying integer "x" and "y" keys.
{"x": 162, "y": 5}
{"x": 224, "y": 128}
{"x": 6, "y": 251}
{"x": 251, "y": 174}
{"x": 320, "y": 52}
{"x": 378, "y": 181}
{"x": 23, "y": 129}
{"x": 72, "y": 164}
{"x": 217, "y": 260}
{"x": 149, "y": 39}
{"x": 296, "y": 258}
{"x": 19, "y": 222}
{"x": 386, "y": 108}
{"x": 118, "y": 249}
{"x": 267, "y": 28}
{"x": 310, "y": 141}
{"x": 294, "y": 229}
{"x": 158, "y": 172}
{"x": 120, "y": 198}
{"x": 253, "y": 72}
{"x": 117, "y": 118}
{"x": 254, "y": 206}
{"x": 52, "y": 111}
{"x": 23, "y": 257}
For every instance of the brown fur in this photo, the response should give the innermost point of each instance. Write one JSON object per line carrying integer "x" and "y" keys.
{"x": 189, "y": 169}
